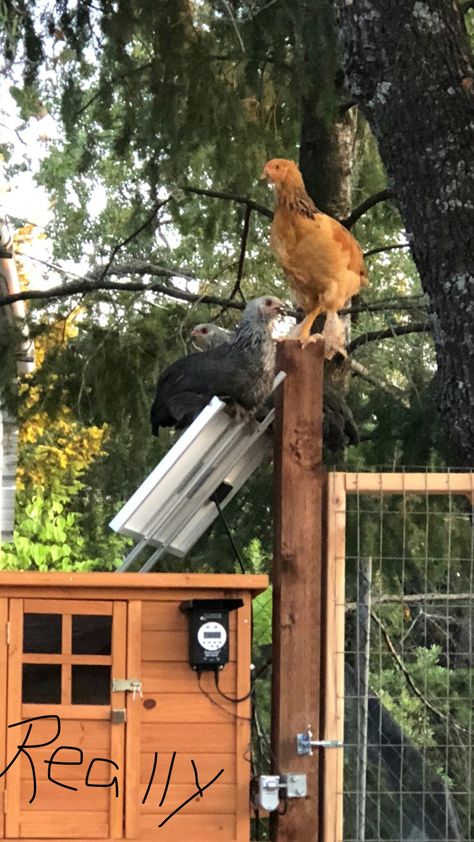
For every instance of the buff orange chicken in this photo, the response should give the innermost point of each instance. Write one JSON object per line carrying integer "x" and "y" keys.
{"x": 321, "y": 259}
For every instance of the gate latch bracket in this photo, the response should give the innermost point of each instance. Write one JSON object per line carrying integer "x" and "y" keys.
{"x": 305, "y": 743}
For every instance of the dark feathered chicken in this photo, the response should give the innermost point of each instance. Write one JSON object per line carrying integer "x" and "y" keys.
{"x": 241, "y": 371}
{"x": 339, "y": 427}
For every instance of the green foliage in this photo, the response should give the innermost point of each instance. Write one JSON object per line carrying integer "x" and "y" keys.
{"x": 49, "y": 536}
{"x": 28, "y": 102}
{"x": 408, "y": 710}
{"x": 261, "y": 657}
{"x": 18, "y": 29}
{"x": 435, "y": 682}
{"x": 262, "y": 618}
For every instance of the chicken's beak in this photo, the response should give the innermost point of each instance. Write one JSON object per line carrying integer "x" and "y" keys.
{"x": 264, "y": 175}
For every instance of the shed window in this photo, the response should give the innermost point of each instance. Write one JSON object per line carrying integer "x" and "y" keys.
{"x": 67, "y": 656}
{"x": 42, "y": 633}
{"x": 41, "y": 683}
{"x": 91, "y": 634}
{"x": 90, "y": 685}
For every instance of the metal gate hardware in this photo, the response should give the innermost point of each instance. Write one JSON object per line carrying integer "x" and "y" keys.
{"x": 127, "y": 685}
{"x": 269, "y": 789}
{"x": 294, "y": 786}
{"x": 118, "y": 715}
{"x": 266, "y": 792}
{"x": 305, "y": 743}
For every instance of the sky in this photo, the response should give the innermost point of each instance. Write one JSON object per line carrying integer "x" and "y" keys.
{"x": 22, "y": 199}
{"x": 20, "y": 196}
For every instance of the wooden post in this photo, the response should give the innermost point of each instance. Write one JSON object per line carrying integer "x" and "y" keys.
{"x": 299, "y": 494}
{"x": 333, "y": 624}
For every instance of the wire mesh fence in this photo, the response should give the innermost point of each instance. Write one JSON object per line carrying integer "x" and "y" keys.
{"x": 409, "y": 667}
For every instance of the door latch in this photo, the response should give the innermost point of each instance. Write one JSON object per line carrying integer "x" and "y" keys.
{"x": 127, "y": 685}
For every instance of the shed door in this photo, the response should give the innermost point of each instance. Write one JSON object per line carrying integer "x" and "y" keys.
{"x": 63, "y": 654}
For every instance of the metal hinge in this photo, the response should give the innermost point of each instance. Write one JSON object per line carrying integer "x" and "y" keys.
{"x": 127, "y": 685}
{"x": 305, "y": 743}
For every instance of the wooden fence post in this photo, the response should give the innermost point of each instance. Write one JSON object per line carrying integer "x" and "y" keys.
{"x": 332, "y": 694}
{"x": 299, "y": 498}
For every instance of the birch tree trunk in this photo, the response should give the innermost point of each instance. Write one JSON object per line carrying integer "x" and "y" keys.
{"x": 409, "y": 67}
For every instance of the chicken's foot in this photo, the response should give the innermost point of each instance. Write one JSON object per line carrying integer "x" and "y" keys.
{"x": 239, "y": 413}
{"x": 304, "y": 334}
{"x": 308, "y": 340}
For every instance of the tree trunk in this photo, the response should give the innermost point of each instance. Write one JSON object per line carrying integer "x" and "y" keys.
{"x": 408, "y": 66}
{"x": 327, "y": 136}
{"x": 327, "y": 159}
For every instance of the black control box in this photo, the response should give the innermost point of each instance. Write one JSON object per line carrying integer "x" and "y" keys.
{"x": 209, "y": 631}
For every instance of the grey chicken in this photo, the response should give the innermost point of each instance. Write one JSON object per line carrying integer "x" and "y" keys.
{"x": 339, "y": 427}
{"x": 240, "y": 372}
{"x": 208, "y": 335}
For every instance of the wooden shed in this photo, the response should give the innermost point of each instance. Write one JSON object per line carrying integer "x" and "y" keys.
{"x": 169, "y": 759}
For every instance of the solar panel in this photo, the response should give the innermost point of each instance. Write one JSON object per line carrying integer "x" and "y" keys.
{"x": 172, "y": 508}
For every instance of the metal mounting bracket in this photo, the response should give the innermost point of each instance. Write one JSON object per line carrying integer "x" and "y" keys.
{"x": 294, "y": 786}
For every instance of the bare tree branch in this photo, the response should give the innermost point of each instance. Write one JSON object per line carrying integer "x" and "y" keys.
{"x": 88, "y": 103}
{"x": 127, "y": 240}
{"x": 138, "y": 267}
{"x": 93, "y": 282}
{"x": 361, "y": 371}
{"x": 84, "y": 287}
{"x": 16, "y": 131}
{"x": 388, "y": 333}
{"x": 243, "y": 248}
{"x": 386, "y": 248}
{"x": 227, "y": 5}
{"x": 366, "y": 205}
{"x": 383, "y": 307}
{"x": 401, "y": 599}
{"x": 231, "y": 197}
{"x": 143, "y": 267}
